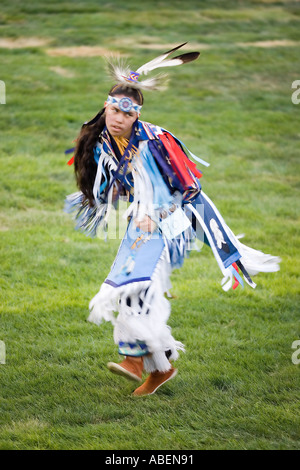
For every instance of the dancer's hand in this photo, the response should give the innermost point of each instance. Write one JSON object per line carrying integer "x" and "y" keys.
{"x": 146, "y": 224}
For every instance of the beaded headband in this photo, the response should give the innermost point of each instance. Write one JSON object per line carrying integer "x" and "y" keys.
{"x": 125, "y": 104}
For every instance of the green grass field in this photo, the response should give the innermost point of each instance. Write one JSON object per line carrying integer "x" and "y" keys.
{"x": 237, "y": 386}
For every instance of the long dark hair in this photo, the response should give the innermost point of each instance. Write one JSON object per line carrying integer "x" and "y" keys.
{"x": 84, "y": 163}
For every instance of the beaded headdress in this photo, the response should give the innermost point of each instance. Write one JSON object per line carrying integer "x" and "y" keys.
{"x": 122, "y": 74}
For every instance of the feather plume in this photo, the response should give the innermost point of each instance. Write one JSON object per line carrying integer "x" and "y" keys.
{"x": 178, "y": 60}
{"x": 119, "y": 71}
{"x": 154, "y": 63}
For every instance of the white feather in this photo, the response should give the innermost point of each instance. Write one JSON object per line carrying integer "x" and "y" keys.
{"x": 117, "y": 69}
{"x": 166, "y": 63}
{"x": 156, "y": 83}
{"x": 157, "y": 61}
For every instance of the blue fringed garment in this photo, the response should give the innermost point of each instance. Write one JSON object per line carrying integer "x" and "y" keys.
{"x": 161, "y": 182}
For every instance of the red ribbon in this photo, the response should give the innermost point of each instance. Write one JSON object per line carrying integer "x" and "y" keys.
{"x": 236, "y": 281}
{"x": 71, "y": 161}
{"x": 184, "y": 168}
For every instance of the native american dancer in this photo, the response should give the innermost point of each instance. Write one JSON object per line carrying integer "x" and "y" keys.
{"x": 119, "y": 156}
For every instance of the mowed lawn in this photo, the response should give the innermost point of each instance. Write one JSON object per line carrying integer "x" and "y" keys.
{"x": 238, "y": 381}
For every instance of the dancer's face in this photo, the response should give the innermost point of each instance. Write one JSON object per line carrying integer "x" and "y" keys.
{"x": 119, "y": 123}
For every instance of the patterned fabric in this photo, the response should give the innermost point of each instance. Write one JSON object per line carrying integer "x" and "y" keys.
{"x": 177, "y": 170}
{"x": 136, "y": 349}
{"x": 137, "y": 257}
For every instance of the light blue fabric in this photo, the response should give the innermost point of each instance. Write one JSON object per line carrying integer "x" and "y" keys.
{"x": 236, "y": 275}
{"x": 137, "y": 349}
{"x": 162, "y": 196}
{"x": 136, "y": 260}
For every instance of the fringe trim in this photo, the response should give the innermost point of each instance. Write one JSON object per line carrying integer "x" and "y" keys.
{"x": 88, "y": 219}
{"x": 103, "y": 306}
{"x": 147, "y": 323}
{"x": 156, "y": 361}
